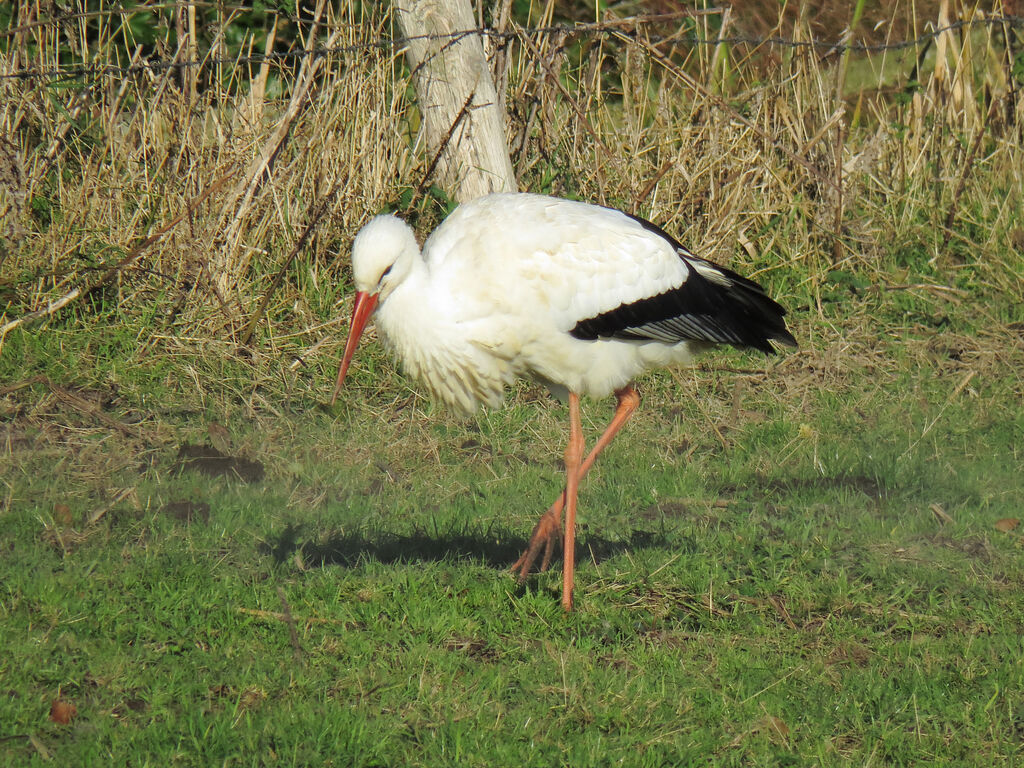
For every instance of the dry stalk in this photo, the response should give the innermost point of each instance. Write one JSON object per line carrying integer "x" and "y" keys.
{"x": 703, "y": 93}
{"x": 964, "y": 172}
{"x": 225, "y": 270}
{"x": 275, "y": 284}
{"x": 725, "y": 146}
{"x": 110, "y": 273}
{"x": 554, "y": 79}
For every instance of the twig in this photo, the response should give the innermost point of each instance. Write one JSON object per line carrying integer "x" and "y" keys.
{"x": 86, "y": 286}
{"x": 300, "y": 359}
{"x": 118, "y": 498}
{"x": 39, "y": 746}
{"x": 73, "y": 110}
{"x": 650, "y": 185}
{"x": 49, "y": 309}
{"x": 299, "y": 245}
{"x": 953, "y": 395}
{"x": 262, "y": 614}
{"x": 772, "y": 684}
{"x": 927, "y": 287}
{"x": 292, "y": 631}
{"x": 554, "y": 78}
{"x": 81, "y": 404}
{"x": 22, "y": 384}
{"x": 422, "y": 186}
{"x": 115, "y": 106}
{"x": 837, "y": 236}
{"x": 962, "y": 181}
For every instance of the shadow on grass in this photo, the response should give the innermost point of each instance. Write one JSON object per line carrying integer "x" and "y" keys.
{"x": 497, "y": 548}
{"x": 500, "y": 547}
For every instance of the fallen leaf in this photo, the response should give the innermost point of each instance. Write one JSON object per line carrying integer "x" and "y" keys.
{"x": 774, "y": 727}
{"x": 1007, "y": 524}
{"x": 62, "y": 515}
{"x": 219, "y": 436}
{"x": 62, "y": 712}
{"x": 40, "y": 747}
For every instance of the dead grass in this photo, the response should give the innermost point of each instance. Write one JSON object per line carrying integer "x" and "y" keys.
{"x": 166, "y": 206}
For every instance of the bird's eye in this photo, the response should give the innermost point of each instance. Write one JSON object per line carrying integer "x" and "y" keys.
{"x": 385, "y": 274}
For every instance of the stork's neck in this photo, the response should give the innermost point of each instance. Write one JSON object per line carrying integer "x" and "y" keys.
{"x": 406, "y": 317}
{"x": 423, "y": 323}
{"x": 410, "y": 293}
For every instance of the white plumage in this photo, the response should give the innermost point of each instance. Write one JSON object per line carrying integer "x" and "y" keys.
{"x": 578, "y": 297}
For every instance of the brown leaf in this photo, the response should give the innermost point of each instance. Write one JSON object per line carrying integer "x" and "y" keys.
{"x": 1007, "y": 524}
{"x": 251, "y": 699}
{"x": 62, "y": 712}
{"x": 774, "y": 727}
{"x": 219, "y": 436}
{"x": 62, "y": 515}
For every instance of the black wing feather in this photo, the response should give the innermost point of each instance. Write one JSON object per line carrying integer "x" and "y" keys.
{"x": 737, "y": 312}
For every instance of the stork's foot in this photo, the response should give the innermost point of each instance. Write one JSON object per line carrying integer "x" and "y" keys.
{"x": 547, "y": 534}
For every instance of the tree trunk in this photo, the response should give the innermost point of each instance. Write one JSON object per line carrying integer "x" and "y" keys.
{"x": 462, "y": 123}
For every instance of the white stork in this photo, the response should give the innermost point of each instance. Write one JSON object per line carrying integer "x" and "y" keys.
{"x": 578, "y": 297}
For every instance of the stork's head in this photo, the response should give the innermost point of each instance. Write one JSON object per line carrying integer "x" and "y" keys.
{"x": 382, "y": 255}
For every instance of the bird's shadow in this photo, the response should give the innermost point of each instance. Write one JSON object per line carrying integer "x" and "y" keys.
{"x": 496, "y": 547}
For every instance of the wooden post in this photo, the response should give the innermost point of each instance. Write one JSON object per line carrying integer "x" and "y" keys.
{"x": 461, "y": 119}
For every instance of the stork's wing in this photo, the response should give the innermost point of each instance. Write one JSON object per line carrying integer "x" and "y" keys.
{"x": 594, "y": 272}
{"x": 712, "y": 304}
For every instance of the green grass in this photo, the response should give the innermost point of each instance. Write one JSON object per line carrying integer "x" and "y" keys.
{"x": 764, "y": 583}
{"x": 809, "y": 561}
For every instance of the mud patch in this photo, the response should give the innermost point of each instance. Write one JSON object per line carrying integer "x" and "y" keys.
{"x": 975, "y": 547}
{"x": 865, "y": 485}
{"x": 187, "y": 511}
{"x": 209, "y": 461}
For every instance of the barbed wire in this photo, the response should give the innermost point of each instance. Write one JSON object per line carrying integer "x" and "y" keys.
{"x": 619, "y": 28}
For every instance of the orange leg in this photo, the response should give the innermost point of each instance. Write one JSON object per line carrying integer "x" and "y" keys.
{"x": 573, "y": 460}
{"x": 548, "y": 530}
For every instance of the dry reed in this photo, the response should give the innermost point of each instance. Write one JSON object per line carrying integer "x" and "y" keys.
{"x": 176, "y": 194}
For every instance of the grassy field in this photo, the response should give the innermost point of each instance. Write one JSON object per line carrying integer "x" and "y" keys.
{"x": 797, "y": 571}
{"x": 810, "y": 560}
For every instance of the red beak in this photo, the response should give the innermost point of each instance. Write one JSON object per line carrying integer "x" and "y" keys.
{"x": 365, "y": 304}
